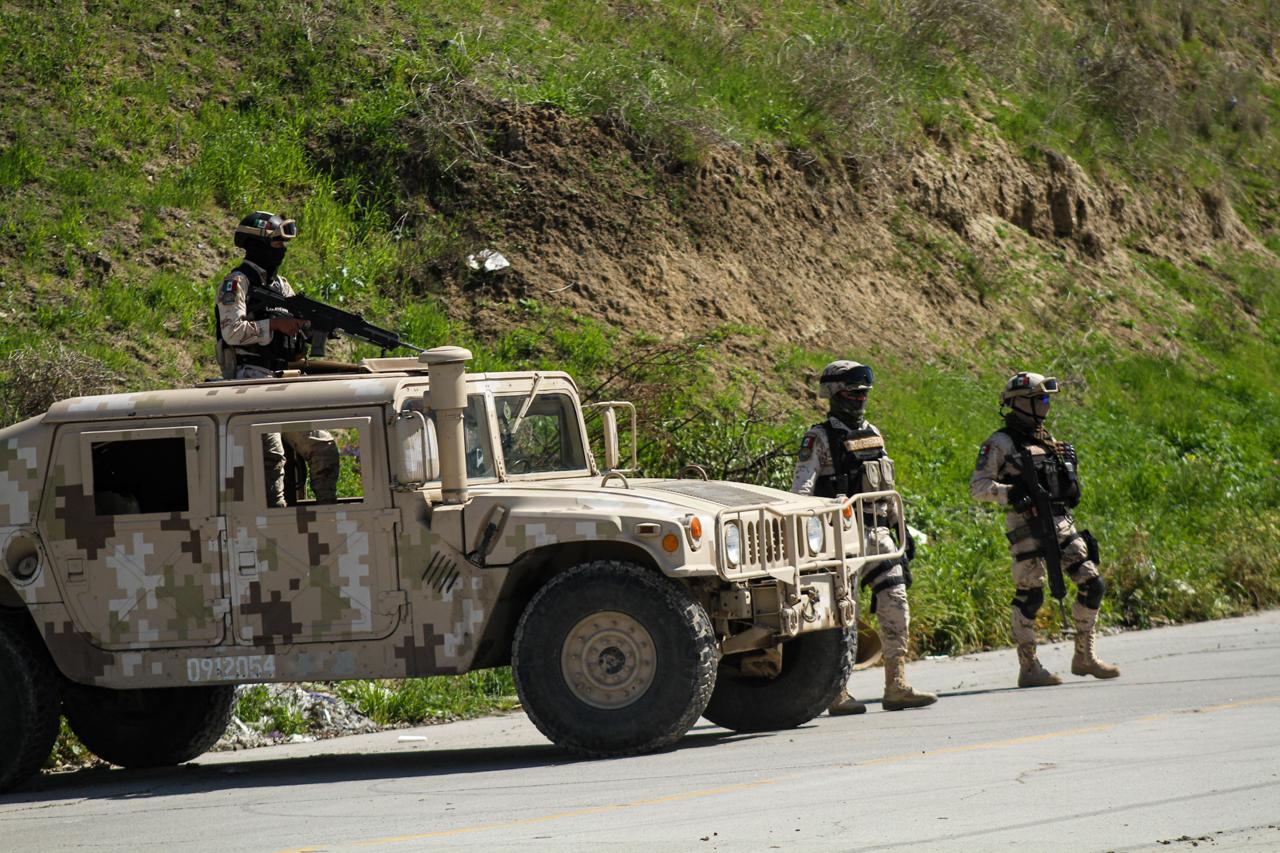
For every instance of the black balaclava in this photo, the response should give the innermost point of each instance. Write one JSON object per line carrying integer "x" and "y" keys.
{"x": 264, "y": 255}
{"x": 1027, "y": 414}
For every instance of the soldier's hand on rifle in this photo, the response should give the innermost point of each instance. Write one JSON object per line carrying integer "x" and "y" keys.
{"x": 288, "y": 325}
{"x": 1018, "y": 498}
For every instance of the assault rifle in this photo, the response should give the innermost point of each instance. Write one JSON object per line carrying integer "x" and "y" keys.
{"x": 1045, "y": 529}
{"x": 326, "y": 321}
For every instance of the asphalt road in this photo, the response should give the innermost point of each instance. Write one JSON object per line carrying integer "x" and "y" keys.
{"x": 1181, "y": 752}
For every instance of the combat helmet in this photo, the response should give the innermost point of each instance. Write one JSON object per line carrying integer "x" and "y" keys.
{"x": 1027, "y": 396}
{"x": 258, "y": 234}
{"x": 846, "y": 383}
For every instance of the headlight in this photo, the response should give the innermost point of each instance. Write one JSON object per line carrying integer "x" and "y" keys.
{"x": 733, "y": 544}
{"x": 815, "y": 534}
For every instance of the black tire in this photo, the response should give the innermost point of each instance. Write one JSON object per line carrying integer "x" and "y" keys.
{"x": 155, "y": 727}
{"x": 815, "y": 667}
{"x": 588, "y": 626}
{"x": 30, "y": 696}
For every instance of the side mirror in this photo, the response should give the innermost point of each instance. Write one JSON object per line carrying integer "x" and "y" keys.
{"x": 609, "y": 420}
{"x": 417, "y": 454}
{"x": 609, "y": 434}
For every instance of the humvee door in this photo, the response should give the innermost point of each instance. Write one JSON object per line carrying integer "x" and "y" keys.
{"x": 128, "y": 515}
{"x": 311, "y": 572}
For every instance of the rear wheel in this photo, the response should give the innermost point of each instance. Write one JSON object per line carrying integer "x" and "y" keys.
{"x": 815, "y": 667}
{"x": 612, "y": 659}
{"x": 155, "y": 727}
{"x": 30, "y": 693}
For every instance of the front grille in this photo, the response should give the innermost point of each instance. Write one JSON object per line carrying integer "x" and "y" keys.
{"x": 766, "y": 542}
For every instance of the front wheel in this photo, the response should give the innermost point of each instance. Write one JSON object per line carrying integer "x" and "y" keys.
{"x": 152, "y": 727}
{"x": 815, "y": 667}
{"x": 612, "y": 659}
{"x": 29, "y": 698}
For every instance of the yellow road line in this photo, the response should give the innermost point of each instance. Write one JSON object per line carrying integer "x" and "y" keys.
{"x": 730, "y": 789}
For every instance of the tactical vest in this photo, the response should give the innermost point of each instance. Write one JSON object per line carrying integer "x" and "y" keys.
{"x": 858, "y": 461}
{"x": 1057, "y": 471}
{"x": 277, "y": 353}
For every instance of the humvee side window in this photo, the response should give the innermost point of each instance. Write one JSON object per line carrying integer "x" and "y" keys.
{"x": 142, "y": 476}
{"x": 541, "y": 435}
{"x": 298, "y": 441}
{"x": 350, "y": 479}
{"x": 475, "y": 424}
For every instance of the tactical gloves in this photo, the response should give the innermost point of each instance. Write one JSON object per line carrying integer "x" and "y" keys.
{"x": 1018, "y": 498}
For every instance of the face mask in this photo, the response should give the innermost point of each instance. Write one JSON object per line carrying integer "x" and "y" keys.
{"x": 850, "y": 406}
{"x": 265, "y": 256}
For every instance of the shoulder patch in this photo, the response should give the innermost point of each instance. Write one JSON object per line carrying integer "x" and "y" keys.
{"x": 230, "y": 289}
{"x": 806, "y": 446}
{"x": 983, "y": 453}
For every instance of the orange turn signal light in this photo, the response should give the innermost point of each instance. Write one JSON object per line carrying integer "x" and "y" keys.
{"x": 670, "y": 543}
{"x": 695, "y": 527}
{"x": 847, "y": 511}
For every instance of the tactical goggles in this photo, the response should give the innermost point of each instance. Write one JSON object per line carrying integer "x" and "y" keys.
{"x": 856, "y": 376}
{"x": 274, "y": 228}
{"x": 1024, "y": 383}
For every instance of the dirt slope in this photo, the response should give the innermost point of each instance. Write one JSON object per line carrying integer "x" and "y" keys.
{"x": 950, "y": 249}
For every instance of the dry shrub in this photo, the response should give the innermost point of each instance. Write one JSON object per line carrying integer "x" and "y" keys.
{"x": 34, "y": 378}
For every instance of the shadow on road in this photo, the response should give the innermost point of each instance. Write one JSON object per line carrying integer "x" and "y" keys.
{"x": 101, "y": 783}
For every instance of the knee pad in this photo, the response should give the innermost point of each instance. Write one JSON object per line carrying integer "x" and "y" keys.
{"x": 1028, "y": 601}
{"x": 1090, "y": 593}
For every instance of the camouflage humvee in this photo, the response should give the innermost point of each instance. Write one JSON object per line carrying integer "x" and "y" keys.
{"x": 143, "y": 573}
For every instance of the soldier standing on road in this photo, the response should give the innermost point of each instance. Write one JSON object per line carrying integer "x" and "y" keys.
{"x": 995, "y": 479}
{"x": 845, "y": 455}
{"x": 254, "y": 341}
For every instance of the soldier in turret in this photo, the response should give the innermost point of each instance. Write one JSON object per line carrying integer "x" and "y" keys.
{"x": 254, "y": 341}
{"x": 1000, "y": 476}
{"x": 845, "y": 455}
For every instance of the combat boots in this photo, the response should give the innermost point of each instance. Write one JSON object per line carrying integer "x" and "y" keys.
{"x": 898, "y": 694}
{"x": 846, "y": 705}
{"x": 1030, "y": 672}
{"x": 1085, "y": 661}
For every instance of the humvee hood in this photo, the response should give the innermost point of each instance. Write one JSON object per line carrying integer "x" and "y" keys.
{"x": 716, "y": 492}
{"x": 707, "y": 496}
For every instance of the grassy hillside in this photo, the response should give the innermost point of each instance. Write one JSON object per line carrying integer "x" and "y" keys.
{"x": 404, "y": 136}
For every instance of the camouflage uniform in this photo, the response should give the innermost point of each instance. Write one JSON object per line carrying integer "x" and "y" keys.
{"x": 995, "y": 479}
{"x": 890, "y": 595}
{"x": 858, "y": 465}
{"x": 248, "y": 349}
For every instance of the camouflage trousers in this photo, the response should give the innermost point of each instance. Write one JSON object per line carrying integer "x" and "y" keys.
{"x": 892, "y": 611}
{"x": 317, "y": 447}
{"x": 1030, "y": 573}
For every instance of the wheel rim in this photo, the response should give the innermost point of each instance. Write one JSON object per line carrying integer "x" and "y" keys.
{"x": 608, "y": 660}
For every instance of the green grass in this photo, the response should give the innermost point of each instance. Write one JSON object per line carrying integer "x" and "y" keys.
{"x": 257, "y": 708}
{"x": 438, "y": 698}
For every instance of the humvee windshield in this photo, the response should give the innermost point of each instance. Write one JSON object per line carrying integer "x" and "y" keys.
{"x": 541, "y": 434}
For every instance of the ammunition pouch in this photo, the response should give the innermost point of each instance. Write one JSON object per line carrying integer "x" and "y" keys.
{"x": 831, "y": 485}
{"x": 1070, "y": 474}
